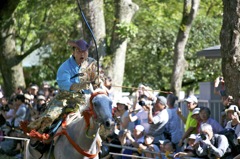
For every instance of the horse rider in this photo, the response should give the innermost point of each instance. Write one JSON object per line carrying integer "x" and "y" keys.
{"x": 75, "y": 77}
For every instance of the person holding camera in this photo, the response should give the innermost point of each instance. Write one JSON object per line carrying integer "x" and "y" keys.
{"x": 6, "y": 111}
{"x": 141, "y": 116}
{"x": 208, "y": 144}
{"x": 234, "y": 125}
{"x": 158, "y": 118}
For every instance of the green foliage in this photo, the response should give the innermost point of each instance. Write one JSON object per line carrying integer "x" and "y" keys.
{"x": 152, "y": 36}
{"x": 150, "y": 54}
{"x": 54, "y": 22}
{"x": 126, "y": 30}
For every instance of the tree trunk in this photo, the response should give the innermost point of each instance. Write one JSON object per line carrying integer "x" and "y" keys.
{"x": 190, "y": 9}
{"x": 10, "y": 66}
{"x": 230, "y": 47}
{"x": 125, "y": 9}
{"x": 94, "y": 13}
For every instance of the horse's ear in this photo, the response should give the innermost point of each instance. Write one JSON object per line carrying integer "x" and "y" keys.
{"x": 91, "y": 89}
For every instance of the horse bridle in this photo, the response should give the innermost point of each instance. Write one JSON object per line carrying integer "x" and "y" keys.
{"x": 87, "y": 114}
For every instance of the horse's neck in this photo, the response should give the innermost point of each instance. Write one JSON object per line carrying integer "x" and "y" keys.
{"x": 83, "y": 136}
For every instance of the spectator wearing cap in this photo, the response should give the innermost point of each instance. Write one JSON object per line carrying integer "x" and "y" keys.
{"x": 173, "y": 126}
{"x": 137, "y": 136}
{"x": 46, "y": 90}
{"x": 196, "y": 116}
{"x": 123, "y": 106}
{"x": 134, "y": 139}
{"x": 157, "y": 118}
{"x": 34, "y": 89}
{"x": 190, "y": 123}
{"x": 32, "y": 112}
{"x": 234, "y": 123}
{"x": 189, "y": 151}
{"x": 204, "y": 114}
{"x": 41, "y": 103}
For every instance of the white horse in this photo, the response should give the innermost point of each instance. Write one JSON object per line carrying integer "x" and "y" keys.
{"x": 81, "y": 134}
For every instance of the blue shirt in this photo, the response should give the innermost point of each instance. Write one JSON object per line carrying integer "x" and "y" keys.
{"x": 67, "y": 70}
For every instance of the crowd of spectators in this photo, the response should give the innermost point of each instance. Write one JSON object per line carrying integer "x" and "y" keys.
{"x": 149, "y": 124}
{"x": 23, "y": 105}
{"x": 156, "y": 126}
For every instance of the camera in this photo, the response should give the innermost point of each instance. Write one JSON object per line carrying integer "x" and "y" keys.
{"x": 203, "y": 136}
{"x": 144, "y": 103}
{"x": 4, "y": 108}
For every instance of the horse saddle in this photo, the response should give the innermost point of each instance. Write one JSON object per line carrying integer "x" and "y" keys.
{"x": 42, "y": 147}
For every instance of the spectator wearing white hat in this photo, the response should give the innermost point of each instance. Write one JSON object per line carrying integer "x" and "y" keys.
{"x": 135, "y": 139}
{"x": 196, "y": 116}
{"x": 234, "y": 123}
{"x": 189, "y": 151}
{"x": 123, "y": 106}
{"x": 190, "y": 123}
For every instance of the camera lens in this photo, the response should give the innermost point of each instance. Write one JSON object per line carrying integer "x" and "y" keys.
{"x": 142, "y": 103}
{"x": 203, "y": 136}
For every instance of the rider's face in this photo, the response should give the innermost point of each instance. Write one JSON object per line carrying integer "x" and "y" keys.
{"x": 79, "y": 55}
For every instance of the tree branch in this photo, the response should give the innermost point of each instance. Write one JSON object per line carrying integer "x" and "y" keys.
{"x": 30, "y": 50}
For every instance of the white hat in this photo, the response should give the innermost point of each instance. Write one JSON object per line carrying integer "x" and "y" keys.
{"x": 192, "y": 136}
{"x": 232, "y": 107}
{"x": 163, "y": 141}
{"x": 195, "y": 111}
{"x": 28, "y": 96}
{"x": 139, "y": 128}
{"x": 41, "y": 97}
{"x": 124, "y": 100}
{"x": 34, "y": 87}
{"x": 192, "y": 99}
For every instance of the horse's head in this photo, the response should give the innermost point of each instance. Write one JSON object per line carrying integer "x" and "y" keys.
{"x": 102, "y": 107}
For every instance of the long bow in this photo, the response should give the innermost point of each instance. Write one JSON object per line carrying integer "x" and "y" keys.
{"x": 89, "y": 28}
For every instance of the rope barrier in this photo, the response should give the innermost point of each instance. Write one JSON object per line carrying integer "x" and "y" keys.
{"x": 136, "y": 88}
{"x": 26, "y": 142}
{"x": 15, "y": 138}
{"x": 125, "y": 155}
{"x": 135, "y": 149}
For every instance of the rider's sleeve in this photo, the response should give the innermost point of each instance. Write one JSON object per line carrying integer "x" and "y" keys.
{"x": 67, "y": 70}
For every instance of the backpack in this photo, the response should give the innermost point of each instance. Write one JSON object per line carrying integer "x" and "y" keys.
{"x": 232, "y": 137}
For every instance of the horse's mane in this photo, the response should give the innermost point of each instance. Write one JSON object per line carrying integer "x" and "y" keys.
{"x": 87, "y": 99}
